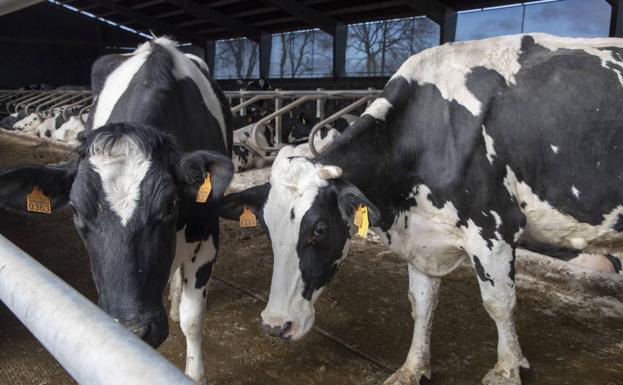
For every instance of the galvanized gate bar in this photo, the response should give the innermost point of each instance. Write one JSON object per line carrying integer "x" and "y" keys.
{"x": 94, "y": 349}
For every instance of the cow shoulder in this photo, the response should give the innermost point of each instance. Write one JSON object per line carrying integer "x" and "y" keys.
{"x": 103, "y": 67}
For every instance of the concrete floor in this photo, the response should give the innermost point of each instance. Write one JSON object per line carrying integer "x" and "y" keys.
{"x": 363, "y": 327}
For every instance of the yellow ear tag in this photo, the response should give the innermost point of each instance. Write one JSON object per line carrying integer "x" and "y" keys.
{"x": 37, "y": 202}
{"x": 361, "y": 220}
{"x": 247, "y": 218}
{"x": 204, "y": 190}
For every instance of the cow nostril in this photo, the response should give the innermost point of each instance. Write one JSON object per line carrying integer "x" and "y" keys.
{"x": 285, "y": 328}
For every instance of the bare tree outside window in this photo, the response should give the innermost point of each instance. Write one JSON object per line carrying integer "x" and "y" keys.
{"x": 236, "y": 59}
{"x": 379, "y": 48}
{"x": 307, "y": 53}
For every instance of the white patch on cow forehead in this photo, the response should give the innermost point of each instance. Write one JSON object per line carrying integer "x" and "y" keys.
{"x": 117, "y": 83}
{"x": 122, "y": 168}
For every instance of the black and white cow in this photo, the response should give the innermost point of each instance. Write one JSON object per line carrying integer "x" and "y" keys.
{"x": 472, "y": 146}
{"x": 158, "y": 127}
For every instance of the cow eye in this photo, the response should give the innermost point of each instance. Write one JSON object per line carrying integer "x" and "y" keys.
{"x": 170, "y": 208}
{"x": 320, "y": 229}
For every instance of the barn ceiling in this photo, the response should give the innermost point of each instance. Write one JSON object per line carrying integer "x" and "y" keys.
{"x": 198, "y": 20}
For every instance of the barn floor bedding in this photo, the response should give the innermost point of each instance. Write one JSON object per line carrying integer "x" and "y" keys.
{"x": 571, "y": 331}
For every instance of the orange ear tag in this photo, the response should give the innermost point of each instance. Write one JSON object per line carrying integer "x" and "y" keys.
{"x": 37, "y": 202}
{"x": 204, "y": 190}
{"x": 361, "y": 220}
{"x": 247, "y": 218}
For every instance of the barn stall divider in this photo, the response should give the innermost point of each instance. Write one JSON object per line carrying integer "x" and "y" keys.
{"x": 280, "y": 102}
{"x": 89, "y": 345}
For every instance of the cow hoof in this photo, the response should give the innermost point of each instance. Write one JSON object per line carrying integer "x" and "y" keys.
{"x": 497, "y": 376}
{"x": 406, "y": 376}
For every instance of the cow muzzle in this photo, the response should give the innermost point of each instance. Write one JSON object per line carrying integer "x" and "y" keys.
{"x": 282, "y": 331}
{"x": 152, "y": 330}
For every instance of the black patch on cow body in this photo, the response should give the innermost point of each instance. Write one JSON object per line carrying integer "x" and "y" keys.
{"x": 292, "y": 213}
{"x": 615, "y": 261}
{"x": 203, "y": 275}
{"x": 618, "y": 226}
{"x": 480, "y": 271}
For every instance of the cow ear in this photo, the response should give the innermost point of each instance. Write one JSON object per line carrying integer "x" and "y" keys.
{"x": 232, "y": 205}
{"x": 54, "y": 181}
{"x": 193, "y": 168}
{"x": 350, "y": 197}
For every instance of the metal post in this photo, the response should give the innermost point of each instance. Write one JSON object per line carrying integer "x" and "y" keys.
{"x": 243, "y": 109}
{"x": 278, "y": 119}
{"x": 320, "y": 106}
{"x": 371, "y": 89}
{"x": 93, "y": 348}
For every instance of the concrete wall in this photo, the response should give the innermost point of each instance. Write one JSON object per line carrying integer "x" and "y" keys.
{"x": 46, "y": 44}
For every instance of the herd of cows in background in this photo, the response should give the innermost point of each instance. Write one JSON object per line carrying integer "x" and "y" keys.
{"x": 65, "y": 124}
{"x": 471, "y": 148}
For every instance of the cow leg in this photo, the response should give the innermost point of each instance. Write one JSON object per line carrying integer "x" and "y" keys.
{"x": 495, "y": 270}
{"x": 175, "y": 294}
{"x": 423, "y": 294}
{"x": 196, "y": 274}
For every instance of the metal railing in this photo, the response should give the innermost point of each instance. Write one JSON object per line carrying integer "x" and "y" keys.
{"x": 91, "y": 346}
{"x": 45, "y": 103}
{"x": 295, "y": 99}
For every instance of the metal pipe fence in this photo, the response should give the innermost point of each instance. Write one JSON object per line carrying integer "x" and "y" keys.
{"x": 91, "y": 346}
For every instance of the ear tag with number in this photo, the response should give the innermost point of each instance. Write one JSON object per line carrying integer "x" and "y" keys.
{"x": 37, "y": 202}
{"x": 204, "y": 190}
{"x": 361, "y": 220}
{"x": 247, "y": 218}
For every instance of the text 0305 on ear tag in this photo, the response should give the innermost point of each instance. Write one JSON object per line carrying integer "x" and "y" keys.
{"x": 37, "y": 202}
{"x": 204, "y": 190}
{"x": 247, "y": 218}
{"x": 363, "y": 223}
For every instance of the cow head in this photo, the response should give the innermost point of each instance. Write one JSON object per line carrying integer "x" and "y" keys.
{"x": 129, "y": 188}
{"x": 307, "y": 211}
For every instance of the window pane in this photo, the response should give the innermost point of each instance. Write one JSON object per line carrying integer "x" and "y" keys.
{"x": 379, "y": 48}
{"x": 236, "y": 59}
{"x": 578, "y": 18}
{"x": 488, "y": 23}
{"x": 301, "y": 54}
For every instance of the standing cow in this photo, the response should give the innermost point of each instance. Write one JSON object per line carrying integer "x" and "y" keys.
{"x": 471, "y": 146}
{"x": 160, "y": 125}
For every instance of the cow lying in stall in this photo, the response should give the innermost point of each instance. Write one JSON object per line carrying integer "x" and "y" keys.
{"x": 158, "y": 139}
{"x": 248, "y": 156}
{"x": 471, "y": 147}
{"x": 62, "y": 126}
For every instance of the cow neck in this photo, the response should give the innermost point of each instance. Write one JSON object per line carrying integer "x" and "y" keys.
{"x": 362, "y": 154}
